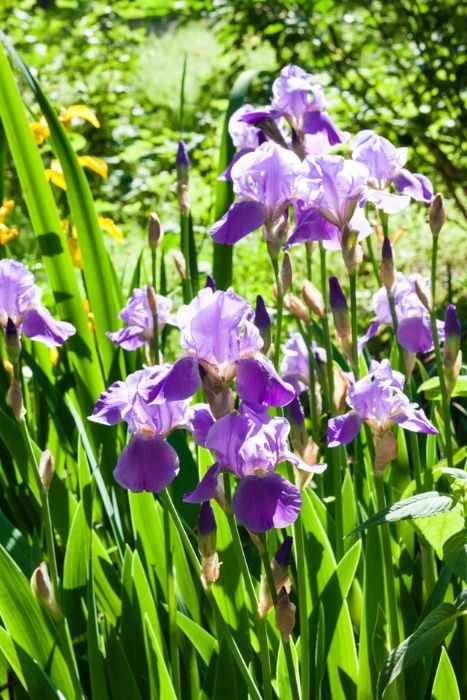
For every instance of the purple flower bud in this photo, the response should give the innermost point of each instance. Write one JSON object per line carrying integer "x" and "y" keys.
{"x": 210, "y": 283}
{"x": 451, "y": 348}
{"x": 182, "y": 160}
{"x": 388, "y": 272}
{"x": 451, "y": 322}
{"x": 339, "y": 308}
{"x": 282, "y": 555}
{"x": 206, "y": 520}
{"x": 262, "y": 318}
{"x": 294, "y": 413}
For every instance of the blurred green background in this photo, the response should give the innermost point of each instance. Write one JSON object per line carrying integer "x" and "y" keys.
{"x": 396, "y": 67}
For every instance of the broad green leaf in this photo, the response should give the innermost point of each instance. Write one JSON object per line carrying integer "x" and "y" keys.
{"x": 282, "y": 672}
{"x": 432, "y": 389}
{"x": 78, "y": 551}
{"x": 97, "y": 676}
{"x": 204, "y": 643}
{"x": 161, "y": 685}
{"x": 122, "y": 681}
{"x": 455, "y": 553}
{"x": 31, "y": 676}
{"x": 46, "y": 224}
{"x": 445, "y": 683}
{"x": 437, "y": 530}
{"x": 420, "y": 506}
{"x": 426, "y": 639}
{"x": 29, "y": 626}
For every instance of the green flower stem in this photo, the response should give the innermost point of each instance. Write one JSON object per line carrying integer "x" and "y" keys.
{"x": 327, "y": 338}
{"x": 312, "y": 385}
{"x": 374, "y": 264}
{"x": 272, "y": 590}
{"x": 353, "y": 319}
{"x": 302, "y": 607}
{"x": 279, "y": 308}
{"x": 62, "y": 625}
{"x": 166, "y": 500}
{"x": 439, "y": 361}
{"x": 172, "y": 604}
{"x": 308, "y": 260}
{"x": 155, "y": 337}
{"x": 260, "y": 621}
{"x": 185, "y": 245}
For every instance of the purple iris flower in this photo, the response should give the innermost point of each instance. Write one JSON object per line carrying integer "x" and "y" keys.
{"x": 139, "y": 318}
{"x": 250, "y": 444}
{"x": 147, "y": 463}
{"x": 246, "y": 137}
{"x": 386, "y": 165}
{"x": 20, "y": 301}
{"x": 413, "y": 320}
{"x": 330, "y": 195}
{"x": 295, "y": 367}
{"x": 220, "y": 339}
{"x": 264, "y": 182}
{"x": 379, "y": 401}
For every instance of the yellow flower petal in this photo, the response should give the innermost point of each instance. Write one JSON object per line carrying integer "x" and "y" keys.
{"x": 54, "y": 356}
{"x": 79, "y": 112}
{"x": 75, "y": 251}
{"x": 7, "y": 234}
{"x": 55, "y": 177}
{"x": 109, "y": 226}
{"x": 40, "y": 131}
{"x": 5, "y": 209}
{"x": 95, "y": 164}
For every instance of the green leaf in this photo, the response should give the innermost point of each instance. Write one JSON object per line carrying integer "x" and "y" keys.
{"x": 97, "y": 677}
{"x": 161, "y": 684}
{"x": 432, "y": 389}
{"x": 445, "y": 683}
{"x": 122, "y": 681}
{"x": 420, "y": 506}
{"x": 17, "y": 547}
{"x": 31, "y": 676}
{"x": 29, "y": 626}
{"x": 222, "y": 262}
{"x": 78, "y": 551}
{"x": 455, "y": 553}
{"x": 204, "y": 642}
{"x": 423, "y": 641}
{"x": 439, "y": 529}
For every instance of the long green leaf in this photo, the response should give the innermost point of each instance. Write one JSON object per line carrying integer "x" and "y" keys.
{"x": 420, "y": 506}
{"x": 31, "y": 676}
{"x": 445, "y": 683}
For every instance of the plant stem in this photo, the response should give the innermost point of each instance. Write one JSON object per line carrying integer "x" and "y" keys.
{"x": 327, "y": 337}
{"x": 286, "y": 644}
{"x": 172, "y": 603}
{"x": 311, "y": 384}
{"x": 260, "y": 621}
{"x": 155, "y": 337}
{"x": 302, "y": 607}
{"x": 439, "y": 361}
{"x": 184, "y": 228}
{"x": 373, "y": 261}
{"x": 279, "y": 308}
{"x": 353, "y": 317}
{"x": 231, "y": 643}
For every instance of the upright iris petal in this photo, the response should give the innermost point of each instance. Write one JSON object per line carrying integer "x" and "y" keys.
{"x": 139, "y": 319}
{"x": 20, "y": 301}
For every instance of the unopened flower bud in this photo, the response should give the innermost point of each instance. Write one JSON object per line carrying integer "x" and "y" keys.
{"x": 313, "y": 298}
{"x": 286, "y": 273}
{"x": 183, "y": 165}
{"x": 452, "y": 357}
{"x": 12, "y": 341}
{"x": 296, "y": 307}
{"x": 285, "y": 615}
{"x": 151, "y": 298}
{"x": 270, "y": 129}
{"x": 180, "y": 263}
{"x": 387, "y": 267}
{"x": 155, "y": 231}
{"x": 296, "y": 418}
{"x": 46, "y": 469}
{"x": 207, "y": 531}
{"x": 263, "y": 322}
{"x": 15, "y": 400}
{"x": 210, "y": 283}
{"x": 280, "y": 573}
{"x": 351, "y": 249}
{"x": 385, "y": 450}
{"x": 423, "y": 292}
{"x": 42, "y": 588}
{"x": 339, "y": 308}
{"x": 437, "y": 216}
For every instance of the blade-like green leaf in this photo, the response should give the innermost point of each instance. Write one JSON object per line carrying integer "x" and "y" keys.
{"x": 31, "y": 676}
{"x": 455, "y": 553}
{"x": 432, "y": 390}
{"x": 204, "y": 642}
{"x": 445, "y": 683}
{"x": 420, "y": 506}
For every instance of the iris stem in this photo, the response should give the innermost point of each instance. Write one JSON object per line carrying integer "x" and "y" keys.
{"x": 327, "y": 337}
{"x": 279, "y": 310}
{"x": 302, "y": 607}
{"x": 260, "y": 621}
{"x": 231, "y": 643}
{"x": 311, "y": 384}
{"x": 184, "y": 231}
{"x": 272, "y": 590}
{"x": 172, "y": 603}
{"x": 374, "y": 265}
{"x": 439, "y": 361}
{"x": 155, "y": 338}
{"x": 353, "y": 318}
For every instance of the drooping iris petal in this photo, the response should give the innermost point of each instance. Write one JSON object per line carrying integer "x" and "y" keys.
{"x": 227, "y": 174}
{"x": 241, "y": 219}
{"x": 388, "y": 202}
{"x": 243, "y": 135}
{"x": 38, "y": 324}
{"x": 129, "y": 338}
{"x": 415, "y": 185}
{"x": 206, "y": 488}
{"x": 320, "y": 130}
{"x": 201, "y": 422}
{"x": 343, "y": 429}
{"x": 146, "y": 464}
{"x": 176, "y": 383}
{"x": 371, "y": 331}
{"x": 311, "y": 226}
{"x": 259, "y": 383}
{"x": 261, "y": 503}
{"x": 414, "y": 419}
{"x": 382, "y": 159}
{"x": 414, "y": 333}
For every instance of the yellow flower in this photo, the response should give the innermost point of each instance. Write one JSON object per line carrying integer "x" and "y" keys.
{"x": 5, "y": 209}
{"x": 87, "y": 308}
{"x": 109, "y": 226}
{"x": 7, "y": 234}
{"x": 78, "y": 112}
{"x": 54, "y": 356}
{"x": 40, "y": 131}
{"x": 55, "y": 173}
